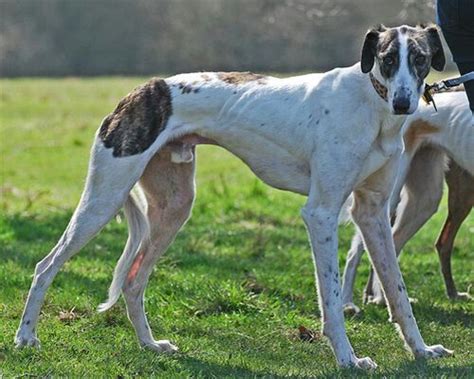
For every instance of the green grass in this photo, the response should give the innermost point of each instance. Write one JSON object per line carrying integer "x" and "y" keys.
{"x": 202, "y": 295}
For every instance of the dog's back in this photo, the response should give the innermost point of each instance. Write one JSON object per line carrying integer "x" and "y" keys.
{"x": 449, "y": 128}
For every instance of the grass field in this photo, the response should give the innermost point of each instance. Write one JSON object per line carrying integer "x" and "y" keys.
{"x": 230, "y": 292}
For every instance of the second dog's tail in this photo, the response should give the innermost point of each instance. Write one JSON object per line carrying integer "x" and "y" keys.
{"x": 345, "y": 213}
{"x": 138, "y": 232}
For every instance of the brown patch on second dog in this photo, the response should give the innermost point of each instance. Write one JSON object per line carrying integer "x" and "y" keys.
{"x": 237, "y": 78}
{"x": 416, "y": 131}
{"x": 138, "y": 119}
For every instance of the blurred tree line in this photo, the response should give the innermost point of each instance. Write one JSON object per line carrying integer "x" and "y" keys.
{"x": 143, "y": 37}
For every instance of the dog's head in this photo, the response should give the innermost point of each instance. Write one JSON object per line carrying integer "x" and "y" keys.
{"x": 400, "y": 58}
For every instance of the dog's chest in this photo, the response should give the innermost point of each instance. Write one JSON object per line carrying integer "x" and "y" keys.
{"x": 388, "y": 145}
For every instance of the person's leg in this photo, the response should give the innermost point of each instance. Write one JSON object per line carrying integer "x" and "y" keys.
{"x": 456, "y": 19}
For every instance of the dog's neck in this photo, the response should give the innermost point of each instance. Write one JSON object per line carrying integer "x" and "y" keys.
{"x": 378, "y": 83}
{"x": 377, "y": 91}
{"x": 381, "y": 90}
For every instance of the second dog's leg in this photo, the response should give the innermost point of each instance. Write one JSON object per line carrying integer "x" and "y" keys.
{"x": 460, "y": 203}
{"x": 169, "y": 190}
{"x": 353, "y": 258}
{"x": 108, "y": 184}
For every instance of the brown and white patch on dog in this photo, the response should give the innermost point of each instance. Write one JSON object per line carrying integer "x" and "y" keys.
{"x": 138, "y": 119}
{"x": 206, "y": 77}
{"x": 417, "y": 131}
{"x": 238, "y": 78}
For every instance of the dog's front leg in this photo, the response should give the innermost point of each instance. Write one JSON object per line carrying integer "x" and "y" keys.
{"x": 371, "y": 214}
{"x": 416, "y": 205}
{"x": 321, "y": 222}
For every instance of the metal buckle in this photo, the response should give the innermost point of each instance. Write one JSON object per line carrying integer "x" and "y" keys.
{"x": 427, "y": 96}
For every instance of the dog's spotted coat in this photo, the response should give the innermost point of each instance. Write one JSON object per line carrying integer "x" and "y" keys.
{"x": 321, "y": 135}
{"x": 138, "y": 119}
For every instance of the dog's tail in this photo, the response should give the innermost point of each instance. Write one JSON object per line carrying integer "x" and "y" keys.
{"x": 138, "y": 232}
{"x": 345, "y": 213}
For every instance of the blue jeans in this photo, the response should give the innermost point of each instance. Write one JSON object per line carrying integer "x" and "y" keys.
{"x": 456, "y": 19}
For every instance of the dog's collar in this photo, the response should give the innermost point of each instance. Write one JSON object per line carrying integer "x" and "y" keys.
{"x": 379, "y": 87}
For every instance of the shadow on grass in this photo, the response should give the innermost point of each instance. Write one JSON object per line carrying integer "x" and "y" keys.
{"x": 215, "y": 370}
{"x": 443, "y": 316}
{"x": 28, "y": 239}
{"x": 425, "y": 312}
{"x": 432, "y": 368}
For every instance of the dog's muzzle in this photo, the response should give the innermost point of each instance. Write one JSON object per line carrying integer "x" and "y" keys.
{"x": 401, "y": 102}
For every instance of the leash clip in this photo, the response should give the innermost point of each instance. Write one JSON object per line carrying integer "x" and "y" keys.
{"x": 428, "y": 97}
{"x": 444, "y": 85}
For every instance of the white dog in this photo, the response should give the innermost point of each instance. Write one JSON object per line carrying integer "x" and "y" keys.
{"x": 321, "y": 135}
{"x": 428, "y": 134}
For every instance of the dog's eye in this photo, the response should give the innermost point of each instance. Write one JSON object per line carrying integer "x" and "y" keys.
{"x": 420, "y": 60}
{"x": 388, "y": 61}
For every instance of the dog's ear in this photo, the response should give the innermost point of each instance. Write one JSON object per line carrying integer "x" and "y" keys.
{"x": 438, "y": 59}
{"x": 369, "y": 48}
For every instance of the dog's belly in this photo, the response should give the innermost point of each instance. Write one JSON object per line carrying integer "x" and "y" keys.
{"x": 280, "y": 164}
{"x": 285, "y": 174}
{"x": 268, "y": 161}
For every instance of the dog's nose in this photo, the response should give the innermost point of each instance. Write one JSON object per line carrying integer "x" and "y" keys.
{"x": 401, "y": 105}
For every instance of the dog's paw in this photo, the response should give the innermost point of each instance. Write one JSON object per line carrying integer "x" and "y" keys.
{"x": 435, "y": 351}
{"x": 23, "y": 339}
{"x": 350, "y": 309}
{"x": 380, "y": 300}
{"x": 463, "y": 296}
{"x": 413, "y": 300}
{"x": 161, "y": 346}
{"x": 363, "y": 363}
{"x": 377, "y": 300}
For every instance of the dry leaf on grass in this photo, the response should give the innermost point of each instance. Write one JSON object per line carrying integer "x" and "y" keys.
{"x": 67, "y": 316}
{"x": 308, "y": 335}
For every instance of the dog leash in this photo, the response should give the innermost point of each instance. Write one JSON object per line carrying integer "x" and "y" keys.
{"x": 444, "y": 85}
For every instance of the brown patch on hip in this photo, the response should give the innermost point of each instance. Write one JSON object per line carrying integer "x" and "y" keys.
{"x": 417, "y": 130}
{"x": 138, "y": 119}
{"x": 237, "y": 78}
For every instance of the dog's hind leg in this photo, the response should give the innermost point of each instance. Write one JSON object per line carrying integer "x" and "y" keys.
{"x": 460, "y": 202}
{"x": 169, "y": 191}
{"x": 108, "y": 184}
{"x": 123, "y": 146}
